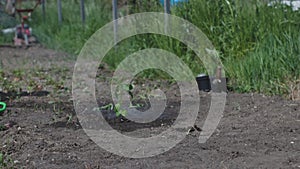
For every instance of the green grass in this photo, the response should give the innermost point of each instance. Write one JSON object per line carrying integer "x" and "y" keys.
{"x": 5, "y": 161}
{"x": 270, "y": 67}
{"x": 258, "y": 45}
{"x": 71, "y": 34}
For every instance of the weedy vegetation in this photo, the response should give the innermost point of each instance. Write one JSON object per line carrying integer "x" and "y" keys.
{"x": 259, "y": 45}
{"x": 6, "y": 161}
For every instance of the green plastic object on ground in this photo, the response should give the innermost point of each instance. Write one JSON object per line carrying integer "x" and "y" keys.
{"x": 2, "y": 106}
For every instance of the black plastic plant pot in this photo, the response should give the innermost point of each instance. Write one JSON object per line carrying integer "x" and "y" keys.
{"x": 203, "y": 82}
{"x": 207, "y": 84}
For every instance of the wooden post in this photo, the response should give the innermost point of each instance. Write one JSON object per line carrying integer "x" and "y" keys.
{"x": 59, "y": 11}
{"x": 115, "y": 17}
{"x": 167, "y": 11}
{"x": 82, "y": 11}
{"x": 167, "y": 5}
{"x": 43, "y": 10}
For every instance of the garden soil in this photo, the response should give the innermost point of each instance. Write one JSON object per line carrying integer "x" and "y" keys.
{"x": 41, "y": 129}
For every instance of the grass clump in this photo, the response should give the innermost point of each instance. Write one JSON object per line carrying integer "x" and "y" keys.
{"x": 259, "y": 45}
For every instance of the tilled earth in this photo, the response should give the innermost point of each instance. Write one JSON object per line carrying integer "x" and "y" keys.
{"x": 40, "y": 129}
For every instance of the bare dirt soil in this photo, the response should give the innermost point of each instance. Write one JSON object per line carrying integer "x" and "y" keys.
{"x": 40, "y": 128}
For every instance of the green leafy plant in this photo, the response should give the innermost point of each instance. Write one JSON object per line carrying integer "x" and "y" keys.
{"x": 117, "y": 107}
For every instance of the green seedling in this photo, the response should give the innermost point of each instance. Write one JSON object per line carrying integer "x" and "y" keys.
{"x": 116, "y": 108}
